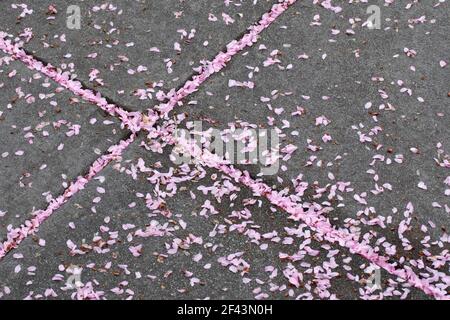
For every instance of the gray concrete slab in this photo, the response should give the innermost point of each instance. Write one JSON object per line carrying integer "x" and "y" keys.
{"x": 133, "y": 44}
{"x": 48, "y": 138}
{"x": 325, "y": 63}
{"x": 351, "y": 84}
{"x": 269, "y": 251}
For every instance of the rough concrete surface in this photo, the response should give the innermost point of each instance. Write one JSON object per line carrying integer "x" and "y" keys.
{"x": 363, "y": 121}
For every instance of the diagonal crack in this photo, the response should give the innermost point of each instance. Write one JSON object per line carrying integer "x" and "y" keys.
{"x": 136, "y": 122}
{"x": 30, "y": 227}
{"x": 83, "y": 83}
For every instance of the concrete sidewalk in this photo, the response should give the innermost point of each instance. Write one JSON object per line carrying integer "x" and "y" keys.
{"x": 363, "y": 117}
